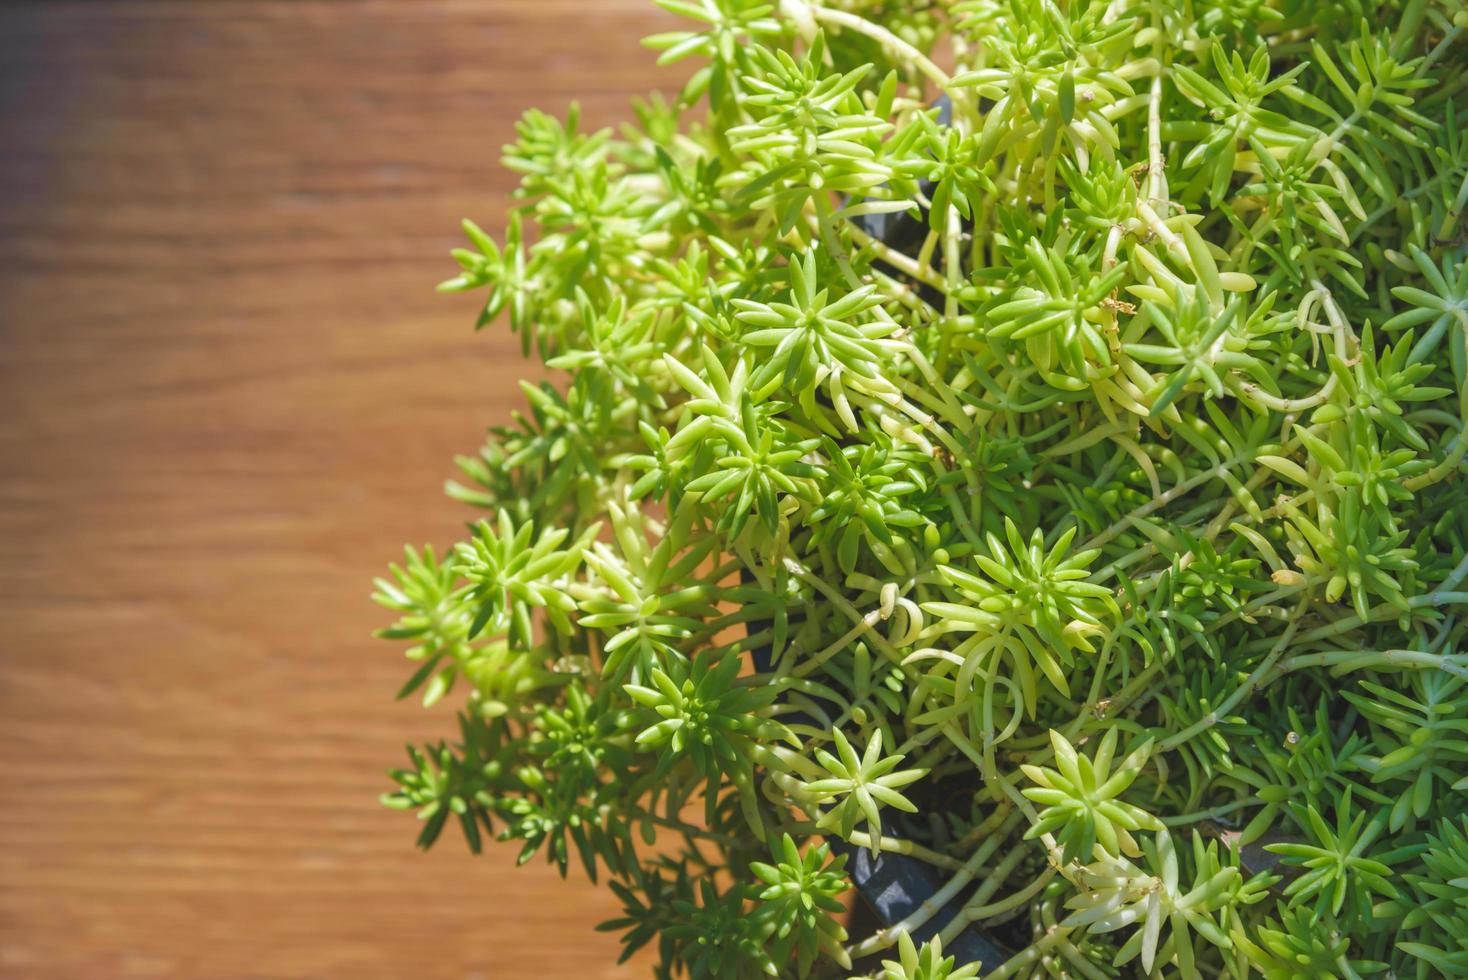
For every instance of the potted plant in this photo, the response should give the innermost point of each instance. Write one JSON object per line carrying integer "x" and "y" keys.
{"x": 1008, "y": 456}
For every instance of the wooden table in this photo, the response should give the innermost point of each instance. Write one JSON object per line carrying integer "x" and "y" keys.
{"x": 228, "y": 395}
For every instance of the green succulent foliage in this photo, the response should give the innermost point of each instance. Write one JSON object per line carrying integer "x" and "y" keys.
{"x": 717, "y": 938}
{"x": 854, "y": 787}
{"x": 453, "y": 781}
{"x": 1425, "y": 730}
{"x": 1081, "y": 805}
{"x": 811, "y": 334}
{"x": 1297, "y": 947}
{"x": 924, "y": 963}
{"x": 705, "y": 719}
{"x": 799, "y": 904}
{"x": 648, "y": 912}
{"x": 509, "y": 577}
{"x": 1037, "y": 602}
{"x": 1117, "y": 895}
{"x": 429, "y": 597}
{"x": 1440, "y": 909}
{"x": 1117, "y": 498}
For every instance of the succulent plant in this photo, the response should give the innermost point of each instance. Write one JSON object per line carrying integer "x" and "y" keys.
{"x": 1022, "y": 437}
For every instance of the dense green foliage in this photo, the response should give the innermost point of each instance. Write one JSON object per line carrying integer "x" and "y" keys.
{"x": 1119, "y": 530}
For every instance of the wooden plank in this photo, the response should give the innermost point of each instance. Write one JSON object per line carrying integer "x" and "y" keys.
{"x": 229, "y": 395}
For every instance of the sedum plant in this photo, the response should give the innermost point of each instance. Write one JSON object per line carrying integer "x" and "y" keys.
{"x": 1025, "y": 437}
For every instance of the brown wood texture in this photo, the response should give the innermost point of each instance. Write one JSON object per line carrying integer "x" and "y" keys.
{"x": 228, "y": 394}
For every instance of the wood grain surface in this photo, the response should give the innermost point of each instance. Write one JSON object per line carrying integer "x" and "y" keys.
{"x": 228, "y": 394}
